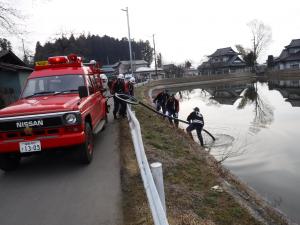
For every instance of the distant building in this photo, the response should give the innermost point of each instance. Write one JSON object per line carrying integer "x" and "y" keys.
{"x": 289, "y": 57}
{"x": 13, "y": 74}
{"x": 124, "y": 66}
{"x": 147, "y": 73}
{"x": 190, "y": 72}
{"x": 223, "y": 61}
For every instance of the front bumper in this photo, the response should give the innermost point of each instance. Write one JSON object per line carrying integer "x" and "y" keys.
{"x": 47, "y": 142}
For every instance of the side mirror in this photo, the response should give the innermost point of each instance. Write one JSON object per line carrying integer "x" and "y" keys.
{"x": 83, "y": 91}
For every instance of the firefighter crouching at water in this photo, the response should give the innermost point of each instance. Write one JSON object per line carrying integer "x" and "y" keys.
{"x": 118, "y": 87}
{"x": 160, "y": 100}
{"x": 172, "y": 107}
{"x": 196, "y": 123}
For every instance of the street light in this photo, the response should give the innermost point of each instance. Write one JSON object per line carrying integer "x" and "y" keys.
{"x": 129, "y": 40}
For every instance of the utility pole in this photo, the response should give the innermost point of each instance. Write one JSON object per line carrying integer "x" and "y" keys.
{"x": 25, "y": 58}
{"x": 155, "y": 63}
{"x": 129, "y": 39}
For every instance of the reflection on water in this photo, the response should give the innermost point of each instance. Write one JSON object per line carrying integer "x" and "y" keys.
{"x": 256, "y": 126}
{"x": 263, "y": 111}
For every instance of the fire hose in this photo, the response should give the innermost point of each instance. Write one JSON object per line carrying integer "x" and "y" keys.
{"x": 133, "y": 101}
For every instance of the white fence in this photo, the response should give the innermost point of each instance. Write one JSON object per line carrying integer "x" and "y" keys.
{"x": 156, "y": 206}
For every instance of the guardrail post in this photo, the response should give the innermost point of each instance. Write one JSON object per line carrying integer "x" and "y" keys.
{"x": 157, "y": 173}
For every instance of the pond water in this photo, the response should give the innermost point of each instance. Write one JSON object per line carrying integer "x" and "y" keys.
{"x": 257, "y": 130}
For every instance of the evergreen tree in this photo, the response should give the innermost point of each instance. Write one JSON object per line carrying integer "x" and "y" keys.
{"x": 101, "y": 49}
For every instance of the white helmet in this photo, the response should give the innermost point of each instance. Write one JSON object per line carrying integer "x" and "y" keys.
{"x": 121, "y": 76}
{"x": 103, "y": 77}
{"x": 132, "y": 80}
{"x": 93, "y": 62}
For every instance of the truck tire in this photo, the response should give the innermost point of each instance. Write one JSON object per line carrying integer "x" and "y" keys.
{"x": 86, "y": 150}
{"x": 9, "y": 162}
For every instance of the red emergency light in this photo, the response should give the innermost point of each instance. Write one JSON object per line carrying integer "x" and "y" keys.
{"x": 58, "y": 60}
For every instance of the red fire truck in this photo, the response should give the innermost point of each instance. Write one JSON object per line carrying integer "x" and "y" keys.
{"x": 62, "y": 105}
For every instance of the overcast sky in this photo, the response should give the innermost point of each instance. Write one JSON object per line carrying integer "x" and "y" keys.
{"x": 189, "y": 29}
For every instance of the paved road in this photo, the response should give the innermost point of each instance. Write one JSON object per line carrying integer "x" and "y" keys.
{"x": 56, "y": 190}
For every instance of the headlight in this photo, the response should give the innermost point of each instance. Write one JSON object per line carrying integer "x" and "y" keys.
{"x": 71, "y": 119}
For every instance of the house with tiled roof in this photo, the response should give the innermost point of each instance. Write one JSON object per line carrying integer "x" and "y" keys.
{"x": 223, "y": 61}
{"x": 124, "y": 66}
{"x": 289, "y": 57}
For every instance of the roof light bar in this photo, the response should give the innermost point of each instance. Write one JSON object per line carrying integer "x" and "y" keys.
{"x": 58, "y": 60}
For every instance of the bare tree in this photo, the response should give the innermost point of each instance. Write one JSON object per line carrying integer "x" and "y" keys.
{"x": 261, "y": 37}
{"x": 9, "y": 18}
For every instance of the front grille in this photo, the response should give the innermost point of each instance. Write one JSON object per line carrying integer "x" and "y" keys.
{"x": 41, "y": 123}
{"x": 22, "y": 134}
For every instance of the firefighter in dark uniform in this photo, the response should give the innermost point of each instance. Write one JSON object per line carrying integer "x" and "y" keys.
{"x": 196, "y": 123}
{"x": 130, "y": 86}
{"x": 172, "y": 107}
{"x": 118, "y": 86}
{"x": 160, "y": 100}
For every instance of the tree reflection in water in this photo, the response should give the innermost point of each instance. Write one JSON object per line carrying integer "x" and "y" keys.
{"x": 263, "y": 111}
{"x": 202, "y": 94}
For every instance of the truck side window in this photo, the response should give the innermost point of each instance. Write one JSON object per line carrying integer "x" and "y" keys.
{"x": 89, "y": 85}
{"x": 41, "y": 85}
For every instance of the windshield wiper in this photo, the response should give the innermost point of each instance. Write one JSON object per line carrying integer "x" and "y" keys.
{"x": 40, "y": 93}
{"x": 66, "y": 91}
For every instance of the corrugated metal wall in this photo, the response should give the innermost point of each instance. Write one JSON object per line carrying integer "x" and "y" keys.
{"x": 11, "y": 84}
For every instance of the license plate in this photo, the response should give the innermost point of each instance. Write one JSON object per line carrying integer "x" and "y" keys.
{"x": 30, "y": 146}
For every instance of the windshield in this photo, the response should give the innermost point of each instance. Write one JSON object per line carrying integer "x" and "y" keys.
{"x": 52, "y": 85}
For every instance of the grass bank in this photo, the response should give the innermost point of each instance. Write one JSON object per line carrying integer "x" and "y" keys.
{"x": 189, "y": 175}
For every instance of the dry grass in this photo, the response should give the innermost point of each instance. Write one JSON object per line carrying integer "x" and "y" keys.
{"x": 188, "y": 177}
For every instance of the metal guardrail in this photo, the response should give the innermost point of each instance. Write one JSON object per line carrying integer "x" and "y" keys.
{"x": 157, "y": 209}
